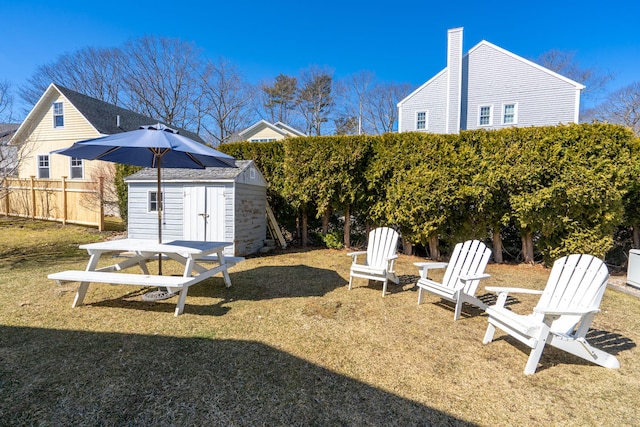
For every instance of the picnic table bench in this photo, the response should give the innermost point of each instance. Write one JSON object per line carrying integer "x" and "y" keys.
{"x": 138, "y": 252}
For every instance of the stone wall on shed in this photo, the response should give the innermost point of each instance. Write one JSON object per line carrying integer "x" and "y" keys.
{"x": 250, "y": 218}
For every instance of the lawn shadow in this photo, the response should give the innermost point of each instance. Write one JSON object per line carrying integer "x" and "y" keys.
{"x": 61, "y": 377}
{"x": 392, "y": 288}
{"x": 469, "y": 310}
{"x": 260, "y": 283}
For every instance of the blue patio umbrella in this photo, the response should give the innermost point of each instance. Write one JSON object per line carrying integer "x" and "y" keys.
{"x": 155, "y": 146}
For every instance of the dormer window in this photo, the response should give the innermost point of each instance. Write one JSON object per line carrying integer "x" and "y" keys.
{"x": 58, "y": 115}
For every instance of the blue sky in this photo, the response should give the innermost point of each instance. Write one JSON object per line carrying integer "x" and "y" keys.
{"x": 400, "y": 41}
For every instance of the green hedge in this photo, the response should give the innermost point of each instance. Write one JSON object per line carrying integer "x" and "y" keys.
{"x": 565, "y": 188}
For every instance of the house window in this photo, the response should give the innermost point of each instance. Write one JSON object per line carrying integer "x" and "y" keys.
{"x": 421, "y": 120}
{"x": 485, "y": 116}
{"x": 262, "y": 139}
{"x": 509, "y": 114}
{"x": 58, "y": 115}
{"x": 153, "y": 201}
{"x": 43, "y": 166}
{"x": 77, "y": 168}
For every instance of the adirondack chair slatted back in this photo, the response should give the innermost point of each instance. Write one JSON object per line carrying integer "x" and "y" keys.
{"x": 468, "y": 258}
{"x": 576, "y": 282}
{"x": 383, "y": 243}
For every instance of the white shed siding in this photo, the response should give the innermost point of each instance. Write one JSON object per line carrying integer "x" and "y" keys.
{"x": 430, "y": 98}
{"x": 496, "y": 78}
{"x": 144, "y": 224}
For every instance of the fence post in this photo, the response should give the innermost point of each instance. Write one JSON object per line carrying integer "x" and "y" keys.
{"x": 64, "y": 200}
{"x": 101, "y": 201}
{"x": 33, "y": 197}
{"x": 6, "y": 198}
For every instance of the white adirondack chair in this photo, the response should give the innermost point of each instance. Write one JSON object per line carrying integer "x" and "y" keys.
{"x": 563, "y": 314}
{"x": 464, "y": 272}
{"x": 380, "y": 255}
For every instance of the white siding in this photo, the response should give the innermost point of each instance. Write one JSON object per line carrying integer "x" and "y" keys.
{"x": 431, "y": 98}
{"x": 496, "y": 78}
{"x": 144, "y": 224}
{"x": 454, "y": 80}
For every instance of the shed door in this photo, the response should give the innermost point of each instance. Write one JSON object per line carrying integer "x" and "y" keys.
{"x": 204, "y": 214}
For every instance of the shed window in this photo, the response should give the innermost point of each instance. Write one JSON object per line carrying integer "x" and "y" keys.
{"x": 153, "y": 201}
{"x": 484, "y": 118}
{"x": 58, "y": 115}
{"x": 77, "y": 168}
{"x": 43, "y": 166}
{"x": 421, "y": 120}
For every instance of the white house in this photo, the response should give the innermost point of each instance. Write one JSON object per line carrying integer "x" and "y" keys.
{"x": 212, "y": 204}
{"x": 488, "y": 88}
{"x": 264, "y": 131}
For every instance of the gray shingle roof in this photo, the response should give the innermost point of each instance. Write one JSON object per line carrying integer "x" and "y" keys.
{"x": 103, "y": 116}
{"x": 174, "y": 174}
{"x": 6, "y": 132}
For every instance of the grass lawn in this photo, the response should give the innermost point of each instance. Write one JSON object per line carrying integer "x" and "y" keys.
{"x": 287, "y": 344}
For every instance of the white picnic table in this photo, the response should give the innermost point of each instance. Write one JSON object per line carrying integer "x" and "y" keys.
{"x": 137, "y": 252}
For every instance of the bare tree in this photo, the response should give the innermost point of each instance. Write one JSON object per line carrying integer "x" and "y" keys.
{"x": 227, "y": 100}
{"x": 161, "y": 79}
{"x": 315, "y": 98}
{"x": 352, "y": 96}
{"x": 564, "y": 63}
{"x": 92, "y": 71}
{"x": 621, "y": 107}
{"x": 101, "y": 181}
{"x": 6, "y": 102}
{"x": 381, "y": 111}
{"x": 8, "y": 154}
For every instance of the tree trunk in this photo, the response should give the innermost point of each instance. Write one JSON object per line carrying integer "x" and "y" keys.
{"x": 407, "y": 247}
{"x": 325, "y": 221}
{"x": 527, "y": 246}
{"x": 303, "y": 228}
{"x": 636, "y": 236}
{"x": 347, "y": 227}
{"x": 497, "y": 246}
{"x": 434, "y": 251}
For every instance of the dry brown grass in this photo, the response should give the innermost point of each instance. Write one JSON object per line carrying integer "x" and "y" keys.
{"x": 288, "y": 344}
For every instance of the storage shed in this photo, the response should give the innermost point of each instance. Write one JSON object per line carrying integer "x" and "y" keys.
{"x": 212, "y": 204}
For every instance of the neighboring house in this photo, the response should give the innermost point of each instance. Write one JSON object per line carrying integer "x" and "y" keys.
{"x": 60, "y": 118}
{"x": 8, "y": 154}
{"x": 263, "y": 131}
{"x": 212, "y": 204}
{"x": 488, "y": 88}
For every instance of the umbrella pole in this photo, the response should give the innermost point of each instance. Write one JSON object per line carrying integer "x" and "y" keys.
{"x": 160, "y": 202}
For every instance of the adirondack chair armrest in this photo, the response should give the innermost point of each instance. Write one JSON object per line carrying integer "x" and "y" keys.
{"x": 474, "y": 277}
{"x": 503, "y": 293}
{"x": 556, "y": 312}
{"x": 505, "y": 290}
{"x": 355, "y": 255}
{"x": 424, "y": 267}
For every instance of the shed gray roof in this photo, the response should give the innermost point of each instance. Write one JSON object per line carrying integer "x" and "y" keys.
{"x": 103, "y": 116}
{"x": 175, "y": 174}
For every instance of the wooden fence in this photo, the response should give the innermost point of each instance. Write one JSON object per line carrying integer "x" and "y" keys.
{"x": 75, "y": 202}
